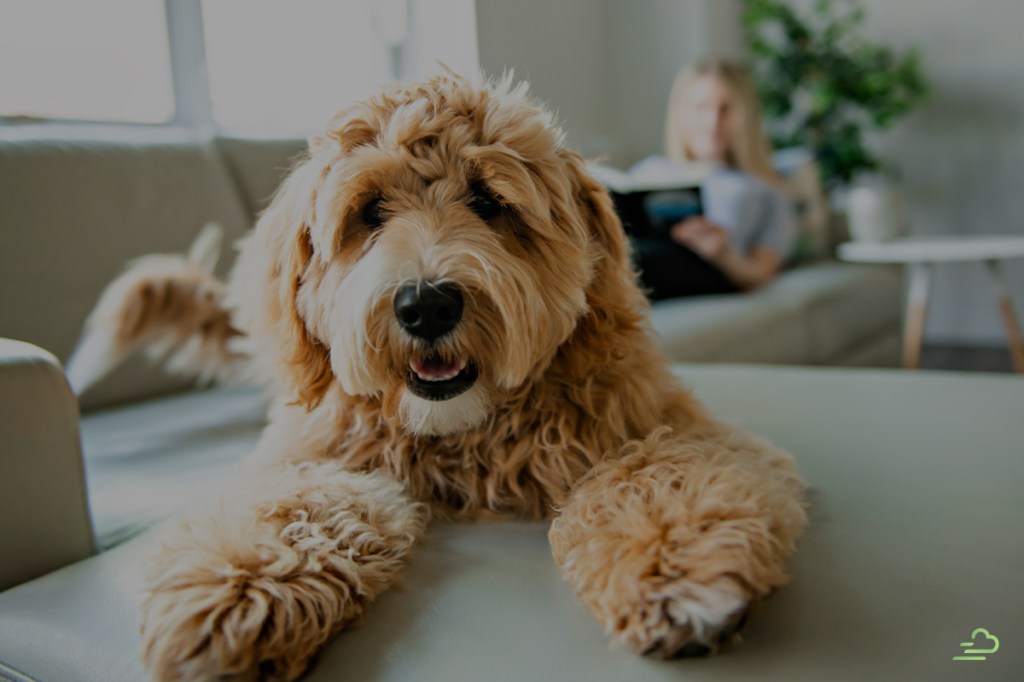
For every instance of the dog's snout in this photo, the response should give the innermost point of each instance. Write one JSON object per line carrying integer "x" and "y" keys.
{"x": 428, "y": 311}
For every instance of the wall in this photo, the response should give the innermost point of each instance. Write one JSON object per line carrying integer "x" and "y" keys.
{"x": 605, "y": 65}
{"x": 562, "y": 49}
{"x": 649, "y": 41}
{"x": 962, "y": 153}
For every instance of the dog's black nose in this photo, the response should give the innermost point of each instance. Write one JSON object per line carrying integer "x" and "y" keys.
{"x": 427, "y": 310}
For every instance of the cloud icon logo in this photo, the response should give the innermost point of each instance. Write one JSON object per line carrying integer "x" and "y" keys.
{"x": 990, "y": 645}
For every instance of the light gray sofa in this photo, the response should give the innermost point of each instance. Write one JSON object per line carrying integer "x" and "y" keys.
{"x": 74, "y": 210}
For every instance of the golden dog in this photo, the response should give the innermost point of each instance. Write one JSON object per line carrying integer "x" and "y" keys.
{"x": 443, "y": 300}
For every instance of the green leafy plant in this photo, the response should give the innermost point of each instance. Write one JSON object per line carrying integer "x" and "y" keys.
{"x": 822, "y": 85}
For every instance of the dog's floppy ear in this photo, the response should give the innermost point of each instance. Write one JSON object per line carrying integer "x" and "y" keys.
{"x": 613, "y": 268}
{"x": 616, "y": 307}
{"x": 275, "y": 260}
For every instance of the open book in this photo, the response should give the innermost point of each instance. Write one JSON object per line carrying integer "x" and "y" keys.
{"x": 654, "y": 194}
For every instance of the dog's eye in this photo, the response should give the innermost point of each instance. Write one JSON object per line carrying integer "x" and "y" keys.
{"x": 483, "y": 203}
{"x": 373, "y": 214}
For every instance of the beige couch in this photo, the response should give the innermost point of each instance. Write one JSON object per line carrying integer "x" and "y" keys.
{"x": 914, "y": 539}
{"x": 73, "y": 210}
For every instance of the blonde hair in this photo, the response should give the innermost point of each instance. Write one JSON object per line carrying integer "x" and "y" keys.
{"x": 749, "y": 149}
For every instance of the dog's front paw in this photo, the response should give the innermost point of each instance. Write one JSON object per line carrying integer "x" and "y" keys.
{"x": 680, "y": 618}
{"x": 657, "y": 597}
{"x": 670, "y": 548}
{"x": 234, "y": 627}
{"x": 256, "y": 585}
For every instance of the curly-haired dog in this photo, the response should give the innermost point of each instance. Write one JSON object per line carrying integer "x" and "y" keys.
{"x": 443, "y": 298}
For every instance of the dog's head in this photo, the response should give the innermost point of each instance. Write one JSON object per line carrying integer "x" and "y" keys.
{"x": 435, "y": 251}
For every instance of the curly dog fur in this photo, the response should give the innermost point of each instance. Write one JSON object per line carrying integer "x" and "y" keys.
{"x": 669, "y": 524}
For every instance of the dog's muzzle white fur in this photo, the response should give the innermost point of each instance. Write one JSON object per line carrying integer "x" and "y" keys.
{"x": 440, "y": 417}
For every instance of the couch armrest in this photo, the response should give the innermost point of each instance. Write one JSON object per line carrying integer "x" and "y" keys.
{"x": 44, "y": 516}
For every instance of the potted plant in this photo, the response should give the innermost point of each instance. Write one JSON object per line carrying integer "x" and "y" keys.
{"x": 822, "y": 87}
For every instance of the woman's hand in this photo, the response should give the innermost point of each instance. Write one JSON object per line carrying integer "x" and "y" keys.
{"x": 708, "y": 240}
{"x": 711, "y": 243}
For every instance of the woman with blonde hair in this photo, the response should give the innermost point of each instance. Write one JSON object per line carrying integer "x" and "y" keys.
{"x": 747, "y": 229}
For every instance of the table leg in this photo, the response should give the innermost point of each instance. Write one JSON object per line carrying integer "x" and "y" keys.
{"x": 1009, "y": 319}
{"x": 917, "y": 306}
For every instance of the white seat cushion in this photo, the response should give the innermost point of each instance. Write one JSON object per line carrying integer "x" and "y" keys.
{"x": 148, "y": 460}
{"x": 914, "y": 542}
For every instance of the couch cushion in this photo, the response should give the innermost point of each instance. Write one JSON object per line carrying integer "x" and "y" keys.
{"x": 146, "y": 461}
{"x": 259, "y": 165}
{"x": 73, "y": 211}
{"x": 914, "y": 542}
{"x": 808, "y": 315}
{"x": 733, "y": 327}
{"x": 844, "y": 304}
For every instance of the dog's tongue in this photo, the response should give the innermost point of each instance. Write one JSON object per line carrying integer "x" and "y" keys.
{"x": 433, "y": 368}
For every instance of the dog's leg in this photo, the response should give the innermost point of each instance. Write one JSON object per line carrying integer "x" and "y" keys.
{"x": 674, "y": 541}
{"x": 254, "y": 587}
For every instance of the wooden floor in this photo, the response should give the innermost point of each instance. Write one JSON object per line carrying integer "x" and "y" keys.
{"x": 967, "y": 358}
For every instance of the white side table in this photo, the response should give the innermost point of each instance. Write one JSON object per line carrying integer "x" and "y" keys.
{"x": 920, "y": 255}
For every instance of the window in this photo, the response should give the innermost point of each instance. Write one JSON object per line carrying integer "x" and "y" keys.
{"x": 96, "y": 60}
{"x": 291, "y": 65}
{"x": 269, "y": 66}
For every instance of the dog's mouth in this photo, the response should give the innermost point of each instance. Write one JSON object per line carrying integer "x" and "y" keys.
{"x": 433, "y": 377}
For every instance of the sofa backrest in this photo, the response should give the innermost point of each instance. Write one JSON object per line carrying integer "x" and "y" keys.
{"x": 73, "y": 212}
{"x": 259, "y": 165}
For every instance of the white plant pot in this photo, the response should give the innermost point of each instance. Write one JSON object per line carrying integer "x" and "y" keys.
{"x": 874, "y": 213}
